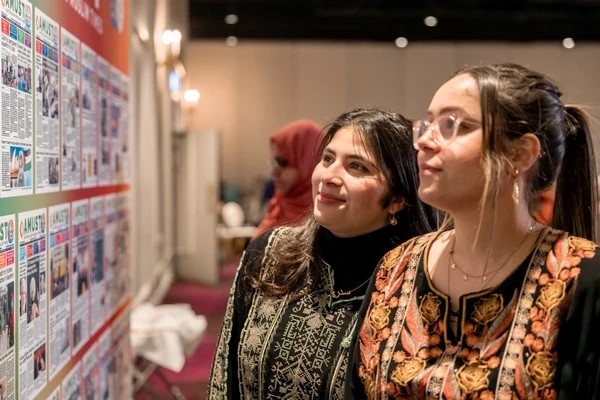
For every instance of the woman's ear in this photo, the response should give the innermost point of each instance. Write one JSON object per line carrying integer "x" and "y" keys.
{"x": 525, "y": 152}
{"x": 397, "y": 205}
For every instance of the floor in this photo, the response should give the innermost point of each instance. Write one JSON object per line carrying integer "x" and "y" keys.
{"x": 210, "y": 301}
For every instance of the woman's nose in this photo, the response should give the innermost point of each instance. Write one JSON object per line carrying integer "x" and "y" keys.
{"x": 427, "y": 141}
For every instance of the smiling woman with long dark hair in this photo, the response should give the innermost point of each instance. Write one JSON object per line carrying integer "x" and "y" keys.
{"x": 293, "y": 307}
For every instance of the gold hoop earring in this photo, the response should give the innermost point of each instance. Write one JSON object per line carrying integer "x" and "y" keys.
{"x": 393, "y": 221}
{"x": 515, "y": 192}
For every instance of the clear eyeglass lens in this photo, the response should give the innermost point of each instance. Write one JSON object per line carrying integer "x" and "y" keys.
{"x": 447, "y": 127}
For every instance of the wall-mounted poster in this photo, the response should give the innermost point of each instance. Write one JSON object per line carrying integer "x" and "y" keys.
{"x": 71, "y": 384}
{"x": 110, "y": 245}
{"x": 47, "y": 111}
{"x": 80, "y": 273}
{"x": 98, "y": 290}
{"x": 16, "y": 106}
{"x": 59, "y": 316}
{"x": 114, "y": 118}
{"x": 9, "y": 306}
{"x": 32, "y": 302}
{"x": 123, "y": 167}
{"x": 103, "y": 121}
{"x": 71, "y": 112}
{"x": 89, "y": 114}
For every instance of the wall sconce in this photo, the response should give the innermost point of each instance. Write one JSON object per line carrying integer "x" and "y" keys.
{"x": 171, "y": 40}
{"x": 191, "y": 97}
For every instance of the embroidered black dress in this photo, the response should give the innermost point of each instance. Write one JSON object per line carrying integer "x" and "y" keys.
{"x": 534, "y": 336}
{"x": 276, "y": 348}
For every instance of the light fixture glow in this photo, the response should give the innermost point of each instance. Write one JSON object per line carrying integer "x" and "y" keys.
{"x": 231, "y": 19}
{"x": 231, "y": 41}
{"x": 167, "y": 36}
{"x": 568, "y": 43}
{"x": 191, "y": 96}
{"x": 401, "y": 42}
{"x": 430, "y": 21}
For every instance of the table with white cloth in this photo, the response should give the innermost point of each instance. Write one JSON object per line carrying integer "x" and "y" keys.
{"x": 163, "y": 335}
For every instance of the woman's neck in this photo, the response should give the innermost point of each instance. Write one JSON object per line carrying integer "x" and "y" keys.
{"x": 484, "y": 241}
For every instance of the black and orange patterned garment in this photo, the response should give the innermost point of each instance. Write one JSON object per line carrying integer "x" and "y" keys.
{"x": 534, "y": 336}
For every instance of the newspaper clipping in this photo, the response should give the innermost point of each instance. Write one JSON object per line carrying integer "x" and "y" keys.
{"x": 91, "y": 373}
{"x": 71, "y": 134}
{"x": 125, "y": 173}
{"x": 121, "y": 275}
{"x": 59, "y": 299}
{"x": 110, "y": 260}
{"x": 7, "y": 306}
{"x": 47, "y": 130}
{"x": 98, "y": 312}
{"x": 115, "y": 122}
{"x": 16, "y": 101}
{"x": 89, "y": 98}
{"x": 71, "y": 385}
{"x": 80, "y": 279}
{"x": 104, "y": 89}
{"x": 32, "y": 317}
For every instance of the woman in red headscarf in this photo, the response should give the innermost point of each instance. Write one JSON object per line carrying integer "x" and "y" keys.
{"x": 293, "y": 150}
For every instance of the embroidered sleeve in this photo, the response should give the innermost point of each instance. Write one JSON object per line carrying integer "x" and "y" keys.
{"x": 578, "y": 344}
{"x": 224, "y": 382}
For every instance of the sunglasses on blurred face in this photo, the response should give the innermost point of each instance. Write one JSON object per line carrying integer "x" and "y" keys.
{"x": 278, "y": 162}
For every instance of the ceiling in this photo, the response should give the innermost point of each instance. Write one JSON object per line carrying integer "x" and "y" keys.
{"x": 386, "y": 20}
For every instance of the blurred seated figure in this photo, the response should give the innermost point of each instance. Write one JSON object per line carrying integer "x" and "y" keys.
{"x": 292, "y": 161}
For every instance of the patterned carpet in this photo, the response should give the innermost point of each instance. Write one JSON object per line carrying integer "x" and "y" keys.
{"x": 211, "y": 302}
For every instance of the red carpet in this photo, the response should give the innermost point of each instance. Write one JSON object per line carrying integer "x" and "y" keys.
{"x": 210, "y": 301}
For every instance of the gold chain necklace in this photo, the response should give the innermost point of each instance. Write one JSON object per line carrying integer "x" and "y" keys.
{"x": 339, "y": 293}
{"x": 486, "y": 276}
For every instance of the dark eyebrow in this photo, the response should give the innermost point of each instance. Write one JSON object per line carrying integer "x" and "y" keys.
{"x": 353, "y": 157}
{"x": 454, "y": 110}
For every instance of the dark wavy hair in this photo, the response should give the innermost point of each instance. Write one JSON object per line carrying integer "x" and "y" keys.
{"x": 388, "y": 136}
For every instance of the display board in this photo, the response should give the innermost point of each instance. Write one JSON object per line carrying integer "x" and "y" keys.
{"x": 64, "y": 200}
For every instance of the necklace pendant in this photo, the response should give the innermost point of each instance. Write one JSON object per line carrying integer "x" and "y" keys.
{"x": 485, "y": 278}
{"x": 465, "y": 277}
{"x": 452, "y": 266}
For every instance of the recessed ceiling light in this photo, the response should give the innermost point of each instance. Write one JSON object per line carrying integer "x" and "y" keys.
{"x": 430, "y": 21}
{"x": 568, "y": 43}
{"x": 231, "y": 19}
{"x": 231, "y": 41}
{"x": 401, "y": 42}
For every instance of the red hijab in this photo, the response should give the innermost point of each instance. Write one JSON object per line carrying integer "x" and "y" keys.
{"x": 297, "y": 142}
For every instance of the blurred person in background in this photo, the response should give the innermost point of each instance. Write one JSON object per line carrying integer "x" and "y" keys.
{"x": 293, "y": 152}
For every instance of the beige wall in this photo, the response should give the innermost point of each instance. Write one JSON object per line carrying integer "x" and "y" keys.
{"x": 250, "y": 90}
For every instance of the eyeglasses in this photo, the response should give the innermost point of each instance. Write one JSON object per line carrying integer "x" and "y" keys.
{"x": 443, "y": 129}
{"x": 278, "y": 162}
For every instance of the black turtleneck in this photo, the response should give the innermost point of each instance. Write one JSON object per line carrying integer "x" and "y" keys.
{"x": 354, "y": 259}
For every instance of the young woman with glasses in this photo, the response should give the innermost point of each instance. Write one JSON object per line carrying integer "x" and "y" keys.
{"x": 293, "y": 307}
{"x": 494, "y": 305}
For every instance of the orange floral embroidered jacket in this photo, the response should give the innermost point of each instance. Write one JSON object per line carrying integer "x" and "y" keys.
{"x": 534, "y": 336}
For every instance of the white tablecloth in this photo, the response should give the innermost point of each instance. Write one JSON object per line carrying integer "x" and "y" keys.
{"x": 165, "y": 334}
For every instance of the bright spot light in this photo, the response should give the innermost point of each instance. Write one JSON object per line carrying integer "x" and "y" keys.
{"x": 401, "y": 42}
{"x": 568, "y": 43}
{"x": 191, "y": 96}
{"x": 167, "y": 37}
{"x": 231, "y": 40}
{"x": 231, "y": 19}
{"x": 430, "y": 21}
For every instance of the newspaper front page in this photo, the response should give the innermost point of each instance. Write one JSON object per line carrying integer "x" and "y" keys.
{"x": 8, "y": 306}
{"x": 47, "y": 129}
{"x": 89, "y": 118}
{"x": 32, "y": 319}
{"x": 16, "y": 99}
{"x": 80, "y": 270}
{"x": 59, "y": 314}
{"x": 71, "y": 111}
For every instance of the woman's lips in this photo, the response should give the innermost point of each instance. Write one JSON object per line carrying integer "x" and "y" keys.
{"x": 328, "y": 199}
